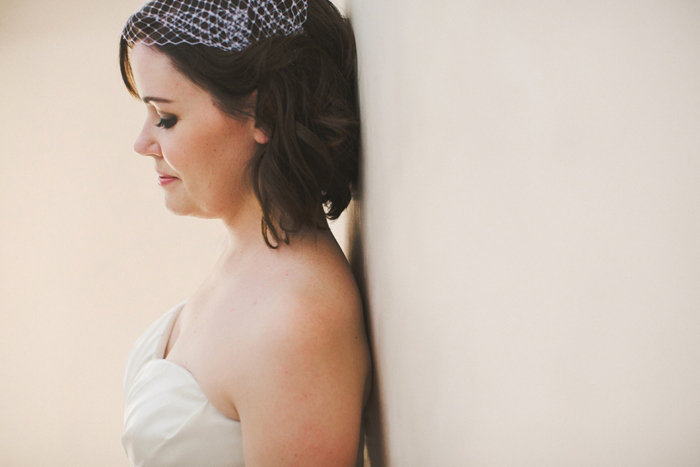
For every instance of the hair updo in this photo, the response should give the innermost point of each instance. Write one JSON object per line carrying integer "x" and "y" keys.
{"x": 306, "y": 104}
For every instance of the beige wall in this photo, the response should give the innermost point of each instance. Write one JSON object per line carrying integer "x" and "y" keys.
{"x": 531, "y": 231}
{"x": 88, "y": 254}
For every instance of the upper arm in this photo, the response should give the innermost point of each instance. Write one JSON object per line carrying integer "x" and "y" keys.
{"x": 301, "y": 401}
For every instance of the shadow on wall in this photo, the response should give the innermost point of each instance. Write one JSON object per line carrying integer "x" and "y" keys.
{"x": 373, "y": 420}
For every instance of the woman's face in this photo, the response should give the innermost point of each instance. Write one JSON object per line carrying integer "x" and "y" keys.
{"x": 200, "y": 151}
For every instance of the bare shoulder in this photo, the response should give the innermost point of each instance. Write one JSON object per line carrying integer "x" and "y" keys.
{"x": 317, "y": 299}
{"x": 301, "y": 402}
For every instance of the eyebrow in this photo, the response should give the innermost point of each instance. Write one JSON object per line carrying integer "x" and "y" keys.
{"x": 162, "y": 100}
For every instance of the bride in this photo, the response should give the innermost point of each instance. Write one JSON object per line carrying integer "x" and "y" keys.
{"x": 252, "y": 119}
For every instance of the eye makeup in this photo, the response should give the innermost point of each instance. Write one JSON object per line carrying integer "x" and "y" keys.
{"x": 168, "y": 122}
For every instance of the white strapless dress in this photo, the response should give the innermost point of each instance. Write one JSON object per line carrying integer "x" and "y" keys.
{"x": 168, "y": 420}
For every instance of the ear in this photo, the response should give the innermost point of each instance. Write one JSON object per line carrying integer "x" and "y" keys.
{"x": 260, "y": 136}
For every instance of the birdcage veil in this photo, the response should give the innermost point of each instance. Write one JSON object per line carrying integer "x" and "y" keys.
{"x": 223, "y": 24}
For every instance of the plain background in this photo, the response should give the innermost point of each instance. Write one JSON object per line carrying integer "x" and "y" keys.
{"x": 529, "y": 226}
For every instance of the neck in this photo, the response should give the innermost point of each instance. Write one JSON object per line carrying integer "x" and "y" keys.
{"x": 243, "y": 228}
{"x": 245, "y": 233}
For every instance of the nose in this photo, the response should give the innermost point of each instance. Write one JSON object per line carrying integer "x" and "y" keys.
{"x": 145, "y": 144}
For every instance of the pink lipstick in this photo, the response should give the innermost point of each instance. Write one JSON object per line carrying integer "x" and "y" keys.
{"x": 166, "y": 179}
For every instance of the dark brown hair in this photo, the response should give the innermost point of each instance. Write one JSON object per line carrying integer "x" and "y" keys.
{"x": 306, "y": 104}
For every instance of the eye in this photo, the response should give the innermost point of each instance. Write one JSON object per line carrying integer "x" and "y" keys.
{"x": 167, "y": 122}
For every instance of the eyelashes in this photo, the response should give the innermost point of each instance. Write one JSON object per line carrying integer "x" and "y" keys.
{"x": 167, "y": 122}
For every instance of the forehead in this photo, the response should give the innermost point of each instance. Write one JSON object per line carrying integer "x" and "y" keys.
{"x": 155, "y": 75}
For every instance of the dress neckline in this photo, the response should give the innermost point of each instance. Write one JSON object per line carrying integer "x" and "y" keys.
{"x": 159, "y": 355}
{"x": 168, "y": 331}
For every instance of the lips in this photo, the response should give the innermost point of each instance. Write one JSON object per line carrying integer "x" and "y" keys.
{"x": 165, "y": 179}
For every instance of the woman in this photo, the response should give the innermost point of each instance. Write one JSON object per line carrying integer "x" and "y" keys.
{"x": 252, "y": 119}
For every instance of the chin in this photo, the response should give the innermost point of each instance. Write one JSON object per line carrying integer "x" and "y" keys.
{"x": 180, "y": 208}
{"x": 187, "y": 209}
{"x": 178, "y": 212}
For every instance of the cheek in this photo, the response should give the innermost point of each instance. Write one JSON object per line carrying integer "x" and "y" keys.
{"x": 235, "y": 147}
{"x": 185, "y": 151}
{"x": 174, "y": 148}
{"x": 217, "y": 151}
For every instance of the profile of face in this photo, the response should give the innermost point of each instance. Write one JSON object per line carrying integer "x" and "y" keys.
{"x": 200, "y": 152}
